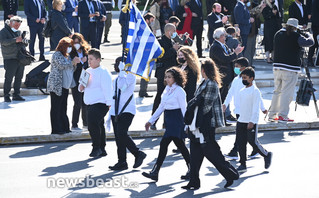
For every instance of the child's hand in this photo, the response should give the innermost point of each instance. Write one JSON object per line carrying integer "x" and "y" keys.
{"x": 265, "y": 112}
{"x": 81, "y": 87}
{"x": 250, "y": 125}
{"x": 224, "y": 108}
{"x": 147, "y": 126}
{"x": 76, "y": 60}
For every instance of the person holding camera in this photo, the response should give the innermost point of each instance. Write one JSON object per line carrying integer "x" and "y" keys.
{"x": 287, "y": 60}
{"x": 215, "y": 20}
{"x": 11, "y": 41}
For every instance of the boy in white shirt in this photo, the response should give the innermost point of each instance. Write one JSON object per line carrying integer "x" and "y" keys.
{"x": 98, "y": 98}
{"x": 246, "y": 128}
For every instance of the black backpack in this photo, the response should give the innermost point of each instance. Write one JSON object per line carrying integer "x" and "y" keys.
{"x": 304, "y": 92}
{"x": 37, "y": 78}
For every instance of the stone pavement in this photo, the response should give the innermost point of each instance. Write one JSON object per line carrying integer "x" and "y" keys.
{"x": 29, "y": 121}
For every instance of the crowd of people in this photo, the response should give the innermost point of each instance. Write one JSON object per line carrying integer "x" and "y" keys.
{"x": 191, "y": 108}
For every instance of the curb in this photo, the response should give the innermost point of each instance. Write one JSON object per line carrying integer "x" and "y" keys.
{"x": 144, "y": 134}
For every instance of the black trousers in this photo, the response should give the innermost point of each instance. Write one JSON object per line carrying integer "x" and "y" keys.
{"x": 96, "y": 114}
{"x": 143, "y": 88}
{"x": 34, "y": 31}
{"x": 122, "y": 139}
{"x": 180, "y": 144}
{"x": 90, "y": 34}
{"x": 315, "y": 30}
{"x": 77, "y": 107}
{"x": 243, "y": 135}
{"x": 211, "y": 151}
{"x": 160, "y": 89}
{"x": 198, "y": 32}
{"x": 58, "y": 115}
{"x": 99, "y": 32}
{"x": 13, "y": 69}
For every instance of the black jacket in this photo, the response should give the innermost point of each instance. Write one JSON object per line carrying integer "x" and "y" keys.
{"x": 223, "y": 61}
{"x": 79, "y": 66}
{"x": 197, "y": 22}
{"x": 10, "y": 7}
{"x": 294, "y": 12}
{"x": 9, "y": 47}
{"x": 190, "y": 86}
{"x": 60, "y": 27}
{"x": 168, "y": 60}
{"x": 213, "y": 23}
{"x": 315, "y": 13}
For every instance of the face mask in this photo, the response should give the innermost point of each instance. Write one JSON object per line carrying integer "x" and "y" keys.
{"x": 174, "y": 35}
{"x": 77, "y": 46}
{"x": 69, "y": 50}
{"x": 245, "y": 82}
{"x": 63, "y": 7}
{"x": 248, "y": 4}
{"x": 14, "y": 30}
{"x": 237, "y": 70}
{"x": 181, "y": 60}
{"x": 152, "y": 23}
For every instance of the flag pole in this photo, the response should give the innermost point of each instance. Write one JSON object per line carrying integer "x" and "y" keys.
{"x": 125, "y": 10}
{"x": 145, "y": 7}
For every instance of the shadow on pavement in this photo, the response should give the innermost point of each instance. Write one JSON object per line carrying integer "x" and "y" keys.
{"x": 153, "y": 190}
{"x": 82, "y": 195}
{"x": 8, "y": 105}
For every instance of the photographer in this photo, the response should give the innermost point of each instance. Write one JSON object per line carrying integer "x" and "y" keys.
{"x": 287, "y": 60}
{"x": 11, "y": 42}
{"x": 182, "y": 38}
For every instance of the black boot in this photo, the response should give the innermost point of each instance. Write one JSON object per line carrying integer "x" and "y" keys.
{"x": 187, "y": 175}
{"x": 105, "y": 40}
{"x": 153, "y": 174}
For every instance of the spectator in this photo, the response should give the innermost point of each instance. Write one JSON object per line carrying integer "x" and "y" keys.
{"x": 100, "y": 22}
{"x": 36, "y": 16}
{"x": 209, "y": 5}
{"x": 165, "y": 13}
{"x": 59, "y": 24}
{"x": 298, "y": 11}
{"x": 11, "y": 42}
{"x": 109, "y": 5}
{"x": 184, "y": 13}
{"x": 182, "y": 39}
{"x": 98, "y": 96}
{"x": 10, "y": 8}
{"x": 88, "y": 13}
{"x": 155, "y": 9}
{"x": 231, "y": 39}
{"x": 80, "y": 50}
{"x": 71, "y": 14}
{"x": 215, "y": 20}
{"x": 167, "y": 61}
{"x": 227, "y": 6}
{"x": 315, "y": 30}
{"x": 59, "y": 81}
{"x": 243, "y": 19}
{"x": 197, "y": 24}
{"x": 173, "y": 4}
{"x": 287, "y": 51}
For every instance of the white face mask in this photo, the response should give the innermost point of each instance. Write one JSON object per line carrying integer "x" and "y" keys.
{"x": 69, "y": 50}
{"x": 14, "y": 30}
{"x": 77, "y": 46}
{"x": 63, "y": 7}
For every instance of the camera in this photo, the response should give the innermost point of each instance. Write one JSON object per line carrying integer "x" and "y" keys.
{"x": 182, "y": 41}
{"x": 24, "y": 40}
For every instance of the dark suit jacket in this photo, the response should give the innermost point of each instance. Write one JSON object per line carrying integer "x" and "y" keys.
{"x": 315, "y": 13}
{"x": 69, "y": 9}
{"x": 241, "y": 14}
{"x": 168, "y": 60}
{"x": 223, "y": 61}
{"x": 32, "y": 12}
{"x": 213, "y": 23}
{"x": 180, "y": 10}
{"x": 197, "y": 22}
{"x": 60, "y": 27}
{"x": 102, "y": 11}
{"x": 10, "y": 7}
{"x": 190, "y": 86}
{"x": 84, "y": 12}
{"x": 294, "y": 12}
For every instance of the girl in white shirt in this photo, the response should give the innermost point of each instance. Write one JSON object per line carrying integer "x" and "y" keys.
{"x": 173, "y": 104}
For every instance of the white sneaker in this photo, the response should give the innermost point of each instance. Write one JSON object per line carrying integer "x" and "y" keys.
{"x": 76, "y": 129}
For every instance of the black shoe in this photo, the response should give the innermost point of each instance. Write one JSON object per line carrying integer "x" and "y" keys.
{"x": 139, "y": 159}
{"x": 231, "y": 118}
{"x": 190, "y": 186}
{"x": 119, "y": 166}
{"x": 148, "y": 96}
{"x": 228, "y": 183}
{"x": 103, "y": 153}
{"x": 232, "y": 155}
{"x": 7, "y": 99}
{"x": 59, "y": 133}
{"x": 42, "y": 58}
{"x": 105, "y": 40}
{"x": 268, "y": 160}
{"x": 186, "y": 176}
{"x": 153, "y": 127}
{"x": 176, "y": 150}
{"x": 17, "y": 98}
{"x": 242, "y": 168}
{"x": 96, "y": 153}
{"x": 152, "y": 175}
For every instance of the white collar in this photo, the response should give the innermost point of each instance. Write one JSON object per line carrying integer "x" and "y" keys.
{"x": 241, "y": 2}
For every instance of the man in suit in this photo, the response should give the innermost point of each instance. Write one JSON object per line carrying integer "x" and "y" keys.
{"x": 167, "y": 61}
{"x": 315, "y": 30}
{"x": 215, "y": 20}
{"x": 223, "y": 57}
{"x": 100, "y": 22}
{"x": 36, "y": 15}
{"x": 71, "y": 14}
{"x": 10, "y": 8}
{"x": 88, "y": 13}
{"x": 197, "y": 23}
{"x": 298, "y": 11}
{"x": 243, "y": 19}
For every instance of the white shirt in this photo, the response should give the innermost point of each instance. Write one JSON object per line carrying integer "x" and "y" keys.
{"x": 233, "y": 94}
{"x": 300, "y": 8}
{"x": 173, "y": 97}
{"x": 99, "y": 88}
{"x": 249, "y": 101}
{"x": 126, "y": 83}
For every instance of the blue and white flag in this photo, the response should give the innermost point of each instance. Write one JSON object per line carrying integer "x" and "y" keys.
{"x": 143, "y": 47}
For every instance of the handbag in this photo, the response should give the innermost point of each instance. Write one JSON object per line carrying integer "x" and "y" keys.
{"x": 24, "y": 57}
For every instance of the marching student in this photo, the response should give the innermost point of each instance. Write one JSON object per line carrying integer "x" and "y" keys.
{"x": 173, "y": 104}
{"x": 240, "y": 64}
{"x": 122, "y": 113}
{"x": 247, "y": 124}
{"x": 98, "y": 98}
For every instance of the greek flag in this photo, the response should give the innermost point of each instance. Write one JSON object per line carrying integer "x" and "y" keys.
{"x": 143, "y": 47}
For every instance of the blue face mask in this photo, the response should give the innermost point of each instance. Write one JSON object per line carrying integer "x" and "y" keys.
{"x": 237, "y": 70}
{"x": 248, "y": 4}
{"x": 174, "y": 35}
{"x": 14, "y": 30}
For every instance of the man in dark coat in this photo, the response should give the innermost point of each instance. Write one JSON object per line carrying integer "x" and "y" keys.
{"x": 167, "y": 61}
{"x": 71, "y": 14}
{"x": 197, "y": 23}
{"x": 298, "y": 11}
{"x": 100, "y": 21}
{"x": 10, "y": 8}
{"x": 315, "y": 30}
{"x": 215, "y": 20}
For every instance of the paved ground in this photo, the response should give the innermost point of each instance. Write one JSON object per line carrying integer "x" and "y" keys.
{"x": 41, "y": 170}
